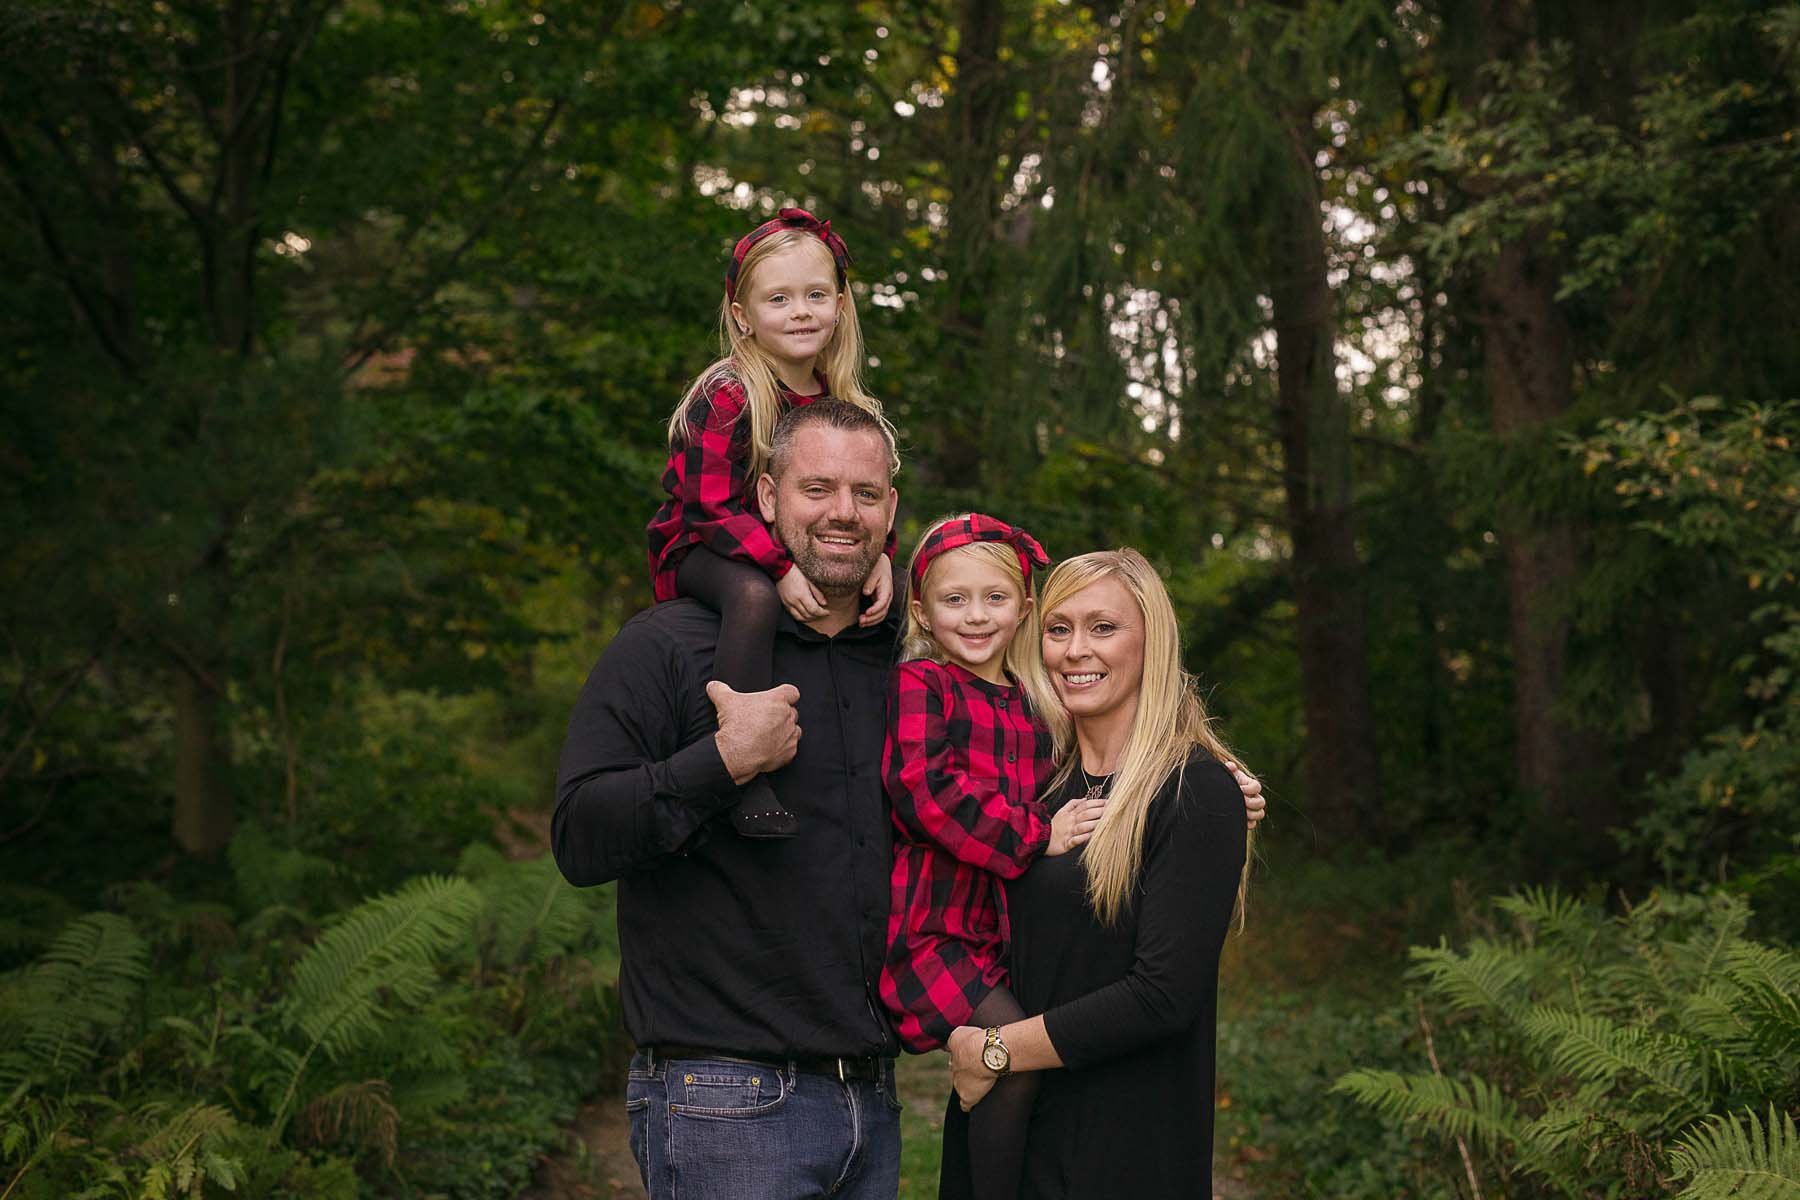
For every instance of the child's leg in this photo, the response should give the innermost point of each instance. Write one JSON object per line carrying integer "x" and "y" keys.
{"x": 998, "y": 1124}
{"x": 747, "y": 605}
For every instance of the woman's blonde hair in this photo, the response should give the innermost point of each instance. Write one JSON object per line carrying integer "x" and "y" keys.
{"x": 749, "y": 364}
{"x": 1024, "y": 655}
{"x": 1170, "y": 721}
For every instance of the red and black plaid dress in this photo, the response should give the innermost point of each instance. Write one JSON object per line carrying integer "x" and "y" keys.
{"x": 964, "y": 764}
{"x": 708, "y": 482}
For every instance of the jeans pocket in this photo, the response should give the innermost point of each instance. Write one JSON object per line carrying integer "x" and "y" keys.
{"x": 727, "y": 1089}
{"x": 637, "y": 1116}
{"x": 889, "y": 1087}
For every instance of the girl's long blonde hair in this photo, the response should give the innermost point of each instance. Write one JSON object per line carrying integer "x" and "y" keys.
{"x": 749, "y": 364}
{"x": 1024, "y": 655}
{"x": 1171, "y": 720}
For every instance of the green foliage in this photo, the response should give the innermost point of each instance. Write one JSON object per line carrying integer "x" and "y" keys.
{"x": 1740, "y": 1156}
{"x": 1602, "y": 1051}
{"x": 62, "y": 1010}
{"x": 188, "y": 1152}
{"x": 275, "y": 1066}
{"x": 1724, "y": 482}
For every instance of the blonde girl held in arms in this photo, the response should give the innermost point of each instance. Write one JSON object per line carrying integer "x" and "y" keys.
{"x": 790, "y": 335}
{"x": 966, "y": 757}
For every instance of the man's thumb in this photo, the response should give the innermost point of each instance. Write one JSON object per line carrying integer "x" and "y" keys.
{"x": 718, "y": 691}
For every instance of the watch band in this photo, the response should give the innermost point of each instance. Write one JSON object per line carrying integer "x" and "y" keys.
{"x": 992, "y": 1040}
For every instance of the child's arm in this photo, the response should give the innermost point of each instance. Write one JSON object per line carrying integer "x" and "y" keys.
{"x": 879, "y": 587}
{"x": 971, "y": 819}
{"x": 713, "y": 480}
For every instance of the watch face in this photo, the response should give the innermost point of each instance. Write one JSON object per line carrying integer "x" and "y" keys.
{"x": 995, "y": 1058}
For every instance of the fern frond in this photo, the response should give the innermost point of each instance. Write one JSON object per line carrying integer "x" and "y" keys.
{"x": 1706, "y": 953}
{"x": 1740, "y": 1158}
{"x": 1475, "y": 1110}
{"x": 1548, "y": 911}
{"x": 361, "y": 1113}
{"x": 531, "y": 914}
{"x": 1487, "y": 977}
{"x": 61, "y": 1008}
{"x": 384, "y": 947}
{"x": 1768, "y": 983}
{"x": 1595, "y": 1049}
{"x": 188, "y": 1151}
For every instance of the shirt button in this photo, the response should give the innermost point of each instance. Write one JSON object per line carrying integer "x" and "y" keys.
{"x": 1011, "y": 757}
{"x": 1003, "y": 702}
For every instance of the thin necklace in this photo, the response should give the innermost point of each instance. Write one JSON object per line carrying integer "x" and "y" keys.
{"x": 1093, "y": 785}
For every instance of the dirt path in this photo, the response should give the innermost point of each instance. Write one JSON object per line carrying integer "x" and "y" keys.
{"x": 597, "y": 1165}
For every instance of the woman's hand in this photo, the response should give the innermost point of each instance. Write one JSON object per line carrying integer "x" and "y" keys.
{"x": 968, "y": 1076}
{"x": 1251, "y": 786}
{"x": 799, "y": 596}
{"x": 879, "y": 587}
{"x": 1074, "y": 823}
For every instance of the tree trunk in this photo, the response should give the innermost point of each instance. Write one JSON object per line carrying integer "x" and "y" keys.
{"x": 1530, "y": 373}
{"x": 1341, "y": 763}
{"x": 974, "y": 117}
{"x": 204, "y": 815}
{"x": 1529, "y": 369}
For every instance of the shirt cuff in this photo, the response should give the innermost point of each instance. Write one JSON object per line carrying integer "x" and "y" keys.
{"x": 1063, "y": 1027}
{"x": 700, "y": 773}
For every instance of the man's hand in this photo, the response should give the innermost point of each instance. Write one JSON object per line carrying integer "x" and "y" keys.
{"x": 758, "y": 731}
{"x": 1074, "y": 823}
{"x": 880, "y": 587}
{"x": 971, "y": 1079}
{"x": 1251, "y": 786}
{"x": 799, "y": 596}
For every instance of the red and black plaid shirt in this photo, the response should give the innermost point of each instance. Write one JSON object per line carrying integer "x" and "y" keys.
{"x": 965, "y": 763}
{"x": 710, "y": 490}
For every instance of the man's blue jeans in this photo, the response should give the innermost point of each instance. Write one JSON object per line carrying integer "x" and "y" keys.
{"x": 732, "y": 1129}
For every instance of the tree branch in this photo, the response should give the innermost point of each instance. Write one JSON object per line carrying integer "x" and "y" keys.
{"x": 43, "y": 714}
{"x": 111, "y": 341}
{"x": 366, "y": 346}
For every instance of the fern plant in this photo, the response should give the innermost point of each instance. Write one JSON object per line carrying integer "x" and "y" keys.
{"x": 382, "y": 954}
{"x": 1606, "y": 1055}
{"x": 60, "y": 1011}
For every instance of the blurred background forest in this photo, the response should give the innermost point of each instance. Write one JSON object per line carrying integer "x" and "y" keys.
{"x": 1443, "y": 353}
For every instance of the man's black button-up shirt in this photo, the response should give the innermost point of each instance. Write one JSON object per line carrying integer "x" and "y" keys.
{"x": 768, "y": 947}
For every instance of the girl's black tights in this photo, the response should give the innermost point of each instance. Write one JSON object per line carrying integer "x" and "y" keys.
{"x": 745, "y": 599}
{"x": 998, "y": 1124}
{"x": 747, "y": 605}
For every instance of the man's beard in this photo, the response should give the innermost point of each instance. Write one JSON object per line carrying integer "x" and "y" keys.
{"x": 834, "y": 575}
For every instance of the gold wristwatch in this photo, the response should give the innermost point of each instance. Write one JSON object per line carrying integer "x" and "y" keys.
{"x": 994, "y": 1054}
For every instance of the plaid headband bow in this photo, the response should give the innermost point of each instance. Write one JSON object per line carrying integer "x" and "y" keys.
{"x": 788, "y": 218}
{"x": 966, "y": 531}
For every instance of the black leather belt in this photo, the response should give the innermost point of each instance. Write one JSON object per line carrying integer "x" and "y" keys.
{"x": 841, "y": 1069}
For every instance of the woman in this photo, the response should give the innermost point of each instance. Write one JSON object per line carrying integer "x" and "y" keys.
{"x": 1117, "y": 946}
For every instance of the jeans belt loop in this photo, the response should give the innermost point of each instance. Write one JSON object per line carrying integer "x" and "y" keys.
{"x": 841, "y": 1079}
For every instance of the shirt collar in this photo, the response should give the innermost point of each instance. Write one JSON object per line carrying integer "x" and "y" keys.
{"x": 888, "y": 627}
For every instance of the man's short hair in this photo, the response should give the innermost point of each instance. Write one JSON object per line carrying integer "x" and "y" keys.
{"x": 832, "y": 414}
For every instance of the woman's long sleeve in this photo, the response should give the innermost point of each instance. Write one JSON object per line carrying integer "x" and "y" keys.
{"x": 1193, "y": 858}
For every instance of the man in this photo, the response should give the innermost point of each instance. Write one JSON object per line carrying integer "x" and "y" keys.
{"x": 765, "y": 1066}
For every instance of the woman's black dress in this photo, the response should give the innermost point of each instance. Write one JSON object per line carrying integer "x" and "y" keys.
{"x": 1132, "y": 1009}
